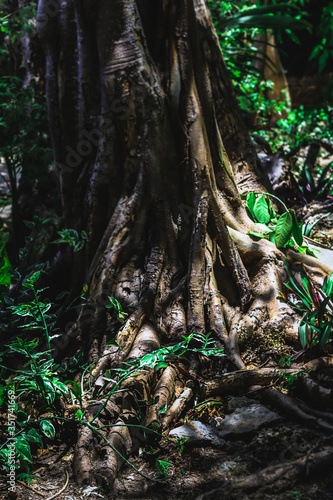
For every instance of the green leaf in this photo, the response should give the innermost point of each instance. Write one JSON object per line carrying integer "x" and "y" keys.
{"x": 47, "y": 428}
{"x": 328, "y": 285}
{"x": 33, "y": 436}
{"x": 250, "y": 201}
{"x": 162, "y": 465}
{"x": 3, "y": 394}
{"x": 60, "y": 385}
{"x": 326, "y": 335}
{"x": 112, "y": 342}
{"x": 296, "y": 229}
{"x": 283, "y": 229}
{"x": 258, "y": 235}
{"x": 115, "y": 304}
{"x": 29, "y": 283}
{"x": 22, "y": 417}
{"x": 5, "y": 275}
{"x": 23, "y": 451}
{"x": 79, "y": 415}
{"x": 261, "y": 210}
{"x": 308, "y": 251}
{"x": 76, "y": 389}
{"x": 272, "y": 212}
{"x": 162, "y": 410}
{"x": 309, "y": 177}
{"x": 159, "y": 365}
{"x": 297, "y": 288}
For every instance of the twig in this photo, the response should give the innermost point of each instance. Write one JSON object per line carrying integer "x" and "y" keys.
{"x": 31, "y": 488}
{"x": 62, "y": 489}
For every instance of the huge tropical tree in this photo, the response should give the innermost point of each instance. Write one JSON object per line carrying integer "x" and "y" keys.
{"x": 152, "y": 155}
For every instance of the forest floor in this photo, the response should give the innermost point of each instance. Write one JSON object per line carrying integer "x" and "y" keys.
{"x": 230, "y": 438}
{"x": 204, "y": 470}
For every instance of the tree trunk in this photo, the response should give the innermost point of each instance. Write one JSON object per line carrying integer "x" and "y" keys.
{"x": 145, "y": 127}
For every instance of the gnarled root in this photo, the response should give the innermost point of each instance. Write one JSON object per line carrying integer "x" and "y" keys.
{"x": 275, "y": 478}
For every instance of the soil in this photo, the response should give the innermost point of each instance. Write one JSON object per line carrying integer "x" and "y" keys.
{"x": 196, "y": 472}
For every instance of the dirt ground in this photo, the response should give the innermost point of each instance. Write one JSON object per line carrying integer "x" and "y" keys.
{"x": 200, "y": 471}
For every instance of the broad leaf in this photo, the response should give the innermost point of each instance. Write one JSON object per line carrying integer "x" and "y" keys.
{"x": 23, "y": 451}
{"x": 33, "y": 436}
{"x": 162, "y": 410}
{"x": 250, "y": 201}
{"x": 283, "y": 229}
{"x": 261, "y": 210}
{"x": 47, "y": 428}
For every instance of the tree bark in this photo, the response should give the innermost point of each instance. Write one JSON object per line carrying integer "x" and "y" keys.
{"x": 148, "y": 144}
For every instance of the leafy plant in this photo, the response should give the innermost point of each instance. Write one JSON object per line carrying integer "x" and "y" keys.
{"x": 36, "y": 312}
{"x": 285, "y": 361}
{"x": 158, "y": 359}
{"x": 299, "y": 128}
{"x": 22, "y": 447}
{"x": 238, "y": 25}
{"x": 37, "y": 384}
{"x": 24, "y": 140}
{"x": 72, "y": 238}
{"x": 114, "y": 304}
{"x": 162, "y": 466}
{"x": 322, "y": 53}
{"x": 316, "y": 325}
{"x": 289, "y": 379}
{"x": 315, "y": 187}
{"x": 26, "y": 476}
{"x": 38, "y": 378}
{"x": 284, "y": 230}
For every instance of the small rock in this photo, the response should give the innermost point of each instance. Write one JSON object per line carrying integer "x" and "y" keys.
{"x": 197, "y": 433}
{"x": 246, "y": 419}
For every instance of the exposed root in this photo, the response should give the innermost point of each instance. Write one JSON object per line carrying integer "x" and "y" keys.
{"x": 319, "y": 396}
{"x": 178, "y": 407}
{"x": 240, "y": 381}
{"x": 83, "y": 456}
{"x": 282, "y": 476}
{"x": 273, "y": 479}
{"x": 162, "y": 395}
{"x": 290, "y": 407}
{"x": 197, "y": 270}
{"x": 124, "y": 339}
{"x": 116, "y": 446}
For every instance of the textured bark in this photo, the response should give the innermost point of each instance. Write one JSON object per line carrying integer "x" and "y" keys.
{"x": 148, "y": 144}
